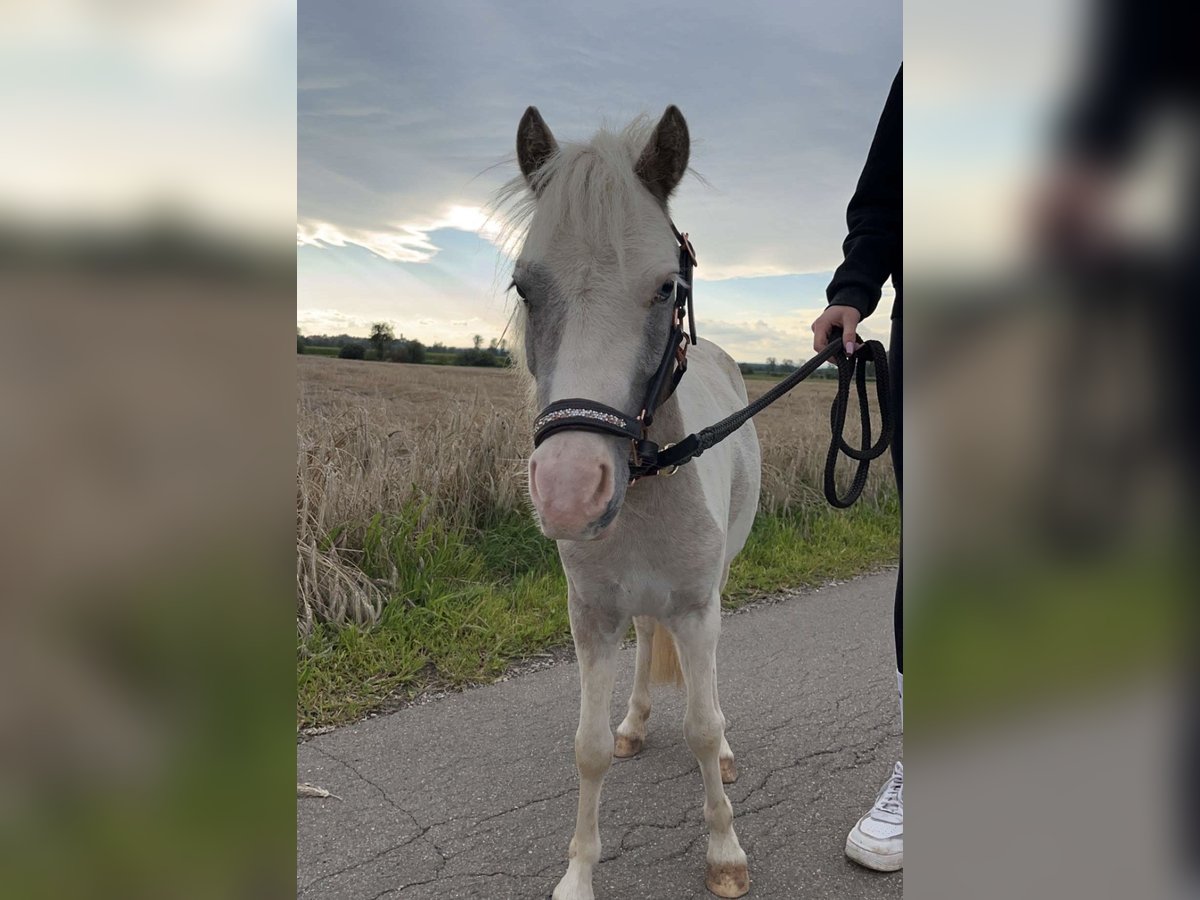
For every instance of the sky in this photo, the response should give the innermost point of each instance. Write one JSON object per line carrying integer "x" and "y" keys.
{"x": 119, "y": 112}
{"x": 407, "y": 123}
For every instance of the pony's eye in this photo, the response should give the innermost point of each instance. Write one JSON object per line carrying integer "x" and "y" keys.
{"x": 520, "y": 293}
{"x": 665, "y": 291}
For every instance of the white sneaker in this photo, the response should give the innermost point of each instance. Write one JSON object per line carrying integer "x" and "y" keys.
{"x": 877, "y": 841}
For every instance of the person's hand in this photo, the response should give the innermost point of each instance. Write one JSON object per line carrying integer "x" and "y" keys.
{"x": 844, "y": 317}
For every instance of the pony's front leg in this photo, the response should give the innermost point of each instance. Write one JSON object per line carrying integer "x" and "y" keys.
{"x": 596, "y": 645}
{"x": 696, "y": 634}
{"x": 729, "y": 772}
{"x": 631, "y": 733}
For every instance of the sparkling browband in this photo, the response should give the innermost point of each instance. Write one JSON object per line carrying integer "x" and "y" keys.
{"x": 581, "y": 412}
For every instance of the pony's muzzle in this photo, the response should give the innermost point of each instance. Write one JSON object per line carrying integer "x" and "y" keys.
{"x": 573, "y": 485}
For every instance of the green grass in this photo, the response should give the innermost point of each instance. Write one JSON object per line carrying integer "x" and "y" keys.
{"x": 1033, "y": 632}
{"x": 811, "y": 547}
{"x": 466, "y": 604}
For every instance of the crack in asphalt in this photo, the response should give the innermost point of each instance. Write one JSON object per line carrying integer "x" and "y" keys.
{"x": 557, "y": 796}
{"x": 422, "y": 831}
{"x": 363, "y": 778}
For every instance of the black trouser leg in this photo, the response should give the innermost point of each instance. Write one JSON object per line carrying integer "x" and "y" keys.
{"x": 896, "y": 370}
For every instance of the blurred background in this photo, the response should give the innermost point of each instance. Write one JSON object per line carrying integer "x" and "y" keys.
{"x": 1050, "y": 530}
{"x": 147, "y": 269}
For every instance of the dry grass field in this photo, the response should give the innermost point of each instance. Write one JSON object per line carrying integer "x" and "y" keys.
{"x": 377, "y": 437}
{"x": 413, "y": 525}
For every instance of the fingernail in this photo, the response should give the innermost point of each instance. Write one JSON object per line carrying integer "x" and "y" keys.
{"x": 850, "y": 346}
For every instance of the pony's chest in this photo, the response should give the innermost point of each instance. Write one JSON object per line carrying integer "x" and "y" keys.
{"x": 651, "y": 555}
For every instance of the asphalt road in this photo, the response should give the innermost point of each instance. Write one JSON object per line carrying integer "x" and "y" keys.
{"x": 474, "y": 795}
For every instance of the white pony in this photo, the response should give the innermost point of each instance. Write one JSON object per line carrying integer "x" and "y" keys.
{"x": 597, "y": 254}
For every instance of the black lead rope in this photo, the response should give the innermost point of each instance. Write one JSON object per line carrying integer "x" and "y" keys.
{"x": 850, "y": 368}
{"x": 581, "y": 414}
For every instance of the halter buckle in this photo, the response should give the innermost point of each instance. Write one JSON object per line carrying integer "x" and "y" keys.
{"x": 686, "y": 244}
{"x": 665, "y": 473}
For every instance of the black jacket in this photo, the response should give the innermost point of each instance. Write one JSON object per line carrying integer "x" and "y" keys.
{"x": 875, "y": 216}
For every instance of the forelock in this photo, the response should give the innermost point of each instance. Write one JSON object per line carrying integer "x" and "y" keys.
{"x": 590, "y": 187}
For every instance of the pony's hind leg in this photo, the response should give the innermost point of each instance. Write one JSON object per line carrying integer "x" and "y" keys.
{"x": 631, "y": 733}
{"x": 696, "y": 636}
{"x": 596, "y": 647}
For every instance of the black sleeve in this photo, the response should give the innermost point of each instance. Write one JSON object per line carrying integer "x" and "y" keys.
{"x": 875, "y": 216}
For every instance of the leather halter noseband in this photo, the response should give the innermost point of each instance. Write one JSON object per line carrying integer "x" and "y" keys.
{"x": 580, "y": 414}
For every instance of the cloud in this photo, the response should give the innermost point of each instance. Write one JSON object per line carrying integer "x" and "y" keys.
{"x": 403, "y": 242}
{"x": 429, "y": 330}
{"x": 786, "y": 334}
{"x": 405, "y": 110}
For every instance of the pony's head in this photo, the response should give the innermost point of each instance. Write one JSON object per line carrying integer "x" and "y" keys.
{"x": 595, "y": 276}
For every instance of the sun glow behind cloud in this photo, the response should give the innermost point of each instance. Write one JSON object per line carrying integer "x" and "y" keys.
{"x": 410, "y": 243}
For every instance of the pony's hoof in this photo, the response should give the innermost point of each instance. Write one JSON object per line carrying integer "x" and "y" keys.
{"x": 627, "y": 747}
{"x": 573, "y": 887}
{"x": 728, "y": 879}
{"x": 729, "y": 770}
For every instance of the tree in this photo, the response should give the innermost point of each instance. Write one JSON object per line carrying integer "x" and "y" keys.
{"x": 381, "y": 338}
{"x": 789, "y": 364}
{"x": 352, "y": 351}
{"x": 300, "y": 342}
{"x": 408, "y": 350}
{"x": 771, "y": 365}
{"x": 477, "y": 356}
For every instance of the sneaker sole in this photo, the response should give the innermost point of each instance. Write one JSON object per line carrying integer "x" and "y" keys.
{"x": 879, "y": 862}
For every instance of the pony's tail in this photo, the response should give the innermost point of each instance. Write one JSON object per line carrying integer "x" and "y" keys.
{"x": 664, "y": 658}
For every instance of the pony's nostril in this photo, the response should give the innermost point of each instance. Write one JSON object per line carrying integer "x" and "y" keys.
{"x": 604, "y": 489}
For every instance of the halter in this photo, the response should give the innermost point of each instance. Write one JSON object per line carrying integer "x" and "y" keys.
{"x": 646, "y": 458}
{"x": 579, "y": 414}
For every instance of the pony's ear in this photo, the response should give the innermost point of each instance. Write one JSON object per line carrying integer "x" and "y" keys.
{"x": 665, "y": 158}
{"x": 535, "y": 143}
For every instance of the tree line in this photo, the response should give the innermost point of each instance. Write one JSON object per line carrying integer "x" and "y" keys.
{"x": 383, "y": 344}
{"x": 776, "y": 367}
